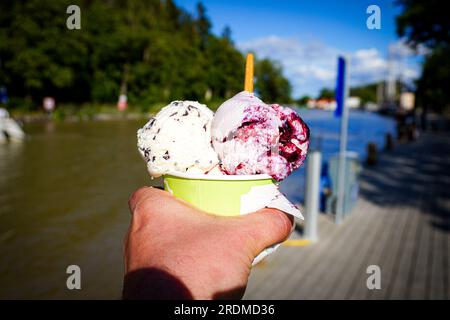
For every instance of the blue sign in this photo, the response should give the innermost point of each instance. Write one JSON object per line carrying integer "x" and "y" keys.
{"x": 340, "y": 87}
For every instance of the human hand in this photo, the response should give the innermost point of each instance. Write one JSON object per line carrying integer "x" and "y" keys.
{"x": 175, "y": 251}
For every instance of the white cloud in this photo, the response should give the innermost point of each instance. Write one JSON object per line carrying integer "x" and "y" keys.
{"x": 312, "y": 66}
{"x": 411, "y": 73}
{"x": 315, "y": 72}
{"x": 367, "y": 65}
{"x": 400, "y": 48}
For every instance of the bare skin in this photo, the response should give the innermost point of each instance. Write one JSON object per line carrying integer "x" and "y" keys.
{"x": 174, "y": 251}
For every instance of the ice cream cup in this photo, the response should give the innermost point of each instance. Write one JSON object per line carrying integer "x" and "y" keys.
{"x": 230, "y": 195}
{"x": 216, "y": 194}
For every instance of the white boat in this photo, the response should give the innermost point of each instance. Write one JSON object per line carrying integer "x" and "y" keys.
{"x": 9, "y": 128}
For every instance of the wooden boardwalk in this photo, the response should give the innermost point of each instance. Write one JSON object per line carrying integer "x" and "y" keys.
{"x": 401, "y": 223}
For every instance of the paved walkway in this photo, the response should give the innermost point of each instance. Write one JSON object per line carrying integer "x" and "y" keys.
{"x": 401, "y": 223}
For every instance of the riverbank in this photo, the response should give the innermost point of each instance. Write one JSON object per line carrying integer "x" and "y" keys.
{"x": 106, "y": 116}
{"x": 83, "y": 112}
{"x": 96, "y": 112}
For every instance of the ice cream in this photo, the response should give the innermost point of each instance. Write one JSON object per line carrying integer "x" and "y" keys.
{"x": 251, "y": 137}
{"x": 178, "y": 139}
{"x": 247, "y": 135}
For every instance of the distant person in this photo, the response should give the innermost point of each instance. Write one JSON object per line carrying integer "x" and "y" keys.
{"x": 401, "y": 125}
{"x": 49, "y": 104}
{"x": 325, "y": 186}
{"x": 174, "y": 251}
{"x": 3, "y": 96}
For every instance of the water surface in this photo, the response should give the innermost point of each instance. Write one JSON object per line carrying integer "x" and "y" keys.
{"x": 363, "y": 127}
{"x": 63, "y": 201}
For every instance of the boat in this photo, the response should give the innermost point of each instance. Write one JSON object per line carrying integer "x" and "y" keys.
{"x": 10, "y": 130}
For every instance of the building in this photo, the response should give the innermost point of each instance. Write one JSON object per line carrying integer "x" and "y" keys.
{"x": 330, "y": 104}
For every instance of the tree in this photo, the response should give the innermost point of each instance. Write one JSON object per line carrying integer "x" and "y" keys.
{"x": 423, "y": 22}
{"x": 434, "y": 83}
{"x": 326, "y": 93}
{"x": 367, "y": 93}
{"x": 426, "y": 23}
{"x": 226, "y": 34}
{"x": 303, "y": 100}
{"x": 225, "y": 69}
{"x": 39, "y": 56}
{"x": 152, "y": 49}
{"x": 270, "y": 82}
{"x": 203, "y": 24}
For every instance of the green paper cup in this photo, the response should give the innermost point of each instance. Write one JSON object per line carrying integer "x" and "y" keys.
{"x": 215, "y": 194}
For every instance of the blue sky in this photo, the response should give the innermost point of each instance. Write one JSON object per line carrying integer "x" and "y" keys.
{"x": 307, "y": 36}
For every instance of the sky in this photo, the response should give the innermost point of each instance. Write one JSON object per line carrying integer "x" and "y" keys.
{"x": 306, "y": 37}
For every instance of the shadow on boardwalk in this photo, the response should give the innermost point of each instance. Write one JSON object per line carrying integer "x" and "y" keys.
{"x": 414, "y": 176}
{"x": 400, "y": 223}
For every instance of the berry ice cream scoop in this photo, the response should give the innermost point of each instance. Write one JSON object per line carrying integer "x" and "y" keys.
{"x": 178, "y": 139}
{"x": 251, "y": 137}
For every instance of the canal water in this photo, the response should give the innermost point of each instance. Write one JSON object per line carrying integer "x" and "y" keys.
{"x": 363, "y": 128}
{"x": 64, "y": 192}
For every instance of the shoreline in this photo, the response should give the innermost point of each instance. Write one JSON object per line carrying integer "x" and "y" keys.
{"x": 43, "y": 117}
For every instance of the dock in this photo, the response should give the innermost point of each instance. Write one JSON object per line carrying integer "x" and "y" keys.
{"x": 401, "y": 223}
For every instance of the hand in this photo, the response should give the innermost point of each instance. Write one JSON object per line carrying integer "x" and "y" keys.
{"x": 174, "y": 251}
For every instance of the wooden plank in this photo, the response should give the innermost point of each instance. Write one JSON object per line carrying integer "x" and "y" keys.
{"x": 373, "y": 256}
{"x": 393, "y": 232}
{"x": 398, "y": 286}
{"x": 380, "y": 254}
{"x": 358, "y": 261}
{"x": 262, "y": 274}
{"x": 358, "y": 286}
{"x": 385, "y": 251}
{"x": 290, "y": 265}
{"x": 418, "y": 282}
{"x": 437, "y": 287}
{"x": 293, "y": 279}
{"x": 444, "y": 204}
{"x": 446, "y": 280}
{"x": 268, "y": 278}
{"x": 320, "y": 263}
{"x": 390, "y": 256}
{"x": 344, "y": 261}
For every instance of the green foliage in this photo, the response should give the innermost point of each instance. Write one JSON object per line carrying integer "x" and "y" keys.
{"x": 271, "y": 85}
{"x": 59, "y": 114}
{"x": 326, "y": 93}
{"x": 35, "y": 52}
{"x": 424, "y": 22}
{"x": 224, "y": 68}
{"x": 434, "y": 84}
{"x": 367, "y": 93}
{"x": 427, "y": 23}
{"x": 152, "y": 50}
{"x": 302, "y": 101}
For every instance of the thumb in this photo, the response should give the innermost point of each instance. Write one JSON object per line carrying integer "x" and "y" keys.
{"x": 267, "y": 227}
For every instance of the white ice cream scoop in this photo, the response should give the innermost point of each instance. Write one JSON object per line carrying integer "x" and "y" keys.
{"x": 178, "y": 139}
